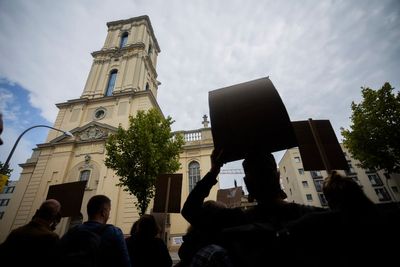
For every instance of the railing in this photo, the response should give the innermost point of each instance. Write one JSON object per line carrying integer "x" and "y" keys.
{"x": 190, "y": 136}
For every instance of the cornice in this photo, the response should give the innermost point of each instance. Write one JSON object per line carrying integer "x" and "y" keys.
{"x": 116, "y": 52}
{"x": 137, "y": 19}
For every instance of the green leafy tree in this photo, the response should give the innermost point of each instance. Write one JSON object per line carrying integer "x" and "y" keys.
{"x": 374, "y": 135}
{"x": 4, "y": 175}
{"x": 7, "y": 171}
{"x": 142, "y": 152}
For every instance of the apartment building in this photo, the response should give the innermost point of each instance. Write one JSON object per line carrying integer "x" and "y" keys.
{"x": 305, "y": 187}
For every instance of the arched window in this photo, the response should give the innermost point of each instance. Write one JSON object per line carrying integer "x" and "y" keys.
{"x": 84, "y": 176}
{"x": 147, "y": 87}
{"x": 124, "y": 40}
{"x": 150, "y": 50}
{"x": 194, "y": 174}
{"x": 111, "y": 82}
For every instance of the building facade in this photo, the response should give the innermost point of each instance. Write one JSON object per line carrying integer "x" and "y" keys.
{"x": 6, "y": 196}
{"x": 305, "y": 187}
{"x": 122, "y": 81}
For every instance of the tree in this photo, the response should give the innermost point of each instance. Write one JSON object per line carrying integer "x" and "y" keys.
{"x": 142, "y": 152}
{"x": 7, "y": 171}
{"x": 374, "y": 135}
{"x": 4, "y": 175}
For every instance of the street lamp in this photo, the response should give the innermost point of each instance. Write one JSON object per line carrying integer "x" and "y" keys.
{"x": 19, "y": 138}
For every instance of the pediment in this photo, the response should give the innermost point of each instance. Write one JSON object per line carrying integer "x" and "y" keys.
{"x": 89, "y": 132}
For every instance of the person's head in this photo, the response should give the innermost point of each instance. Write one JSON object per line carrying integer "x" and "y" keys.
{"x": 134, "y": 228}
{"x": 147, "y": 227}
{"x": 49, "y": 213}
{"x": 98, "y": 208}
{"x": 262, "y": 177}
{"x": 343, "y": 192}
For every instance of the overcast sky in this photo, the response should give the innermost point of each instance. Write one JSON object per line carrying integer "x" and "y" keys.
{"x": 317, "y": 53}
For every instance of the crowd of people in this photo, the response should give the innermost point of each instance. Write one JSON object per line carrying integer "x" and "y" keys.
{"x": 352, "y": 232}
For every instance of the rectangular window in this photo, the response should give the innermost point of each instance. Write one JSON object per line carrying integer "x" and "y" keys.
{"x": 9, "y": 190}
{"x": 4, "y": 202}
{"x": 375, "y": 180}
{"x": 309, "y": 197}
{"x": 297, "y": 159}
{"x": 351, "y": 169}
{"x": 318, "y": 185}
{"x": 382, "y": 194}
{"x": 84, "y": 176}
{"x": 301, "y": 171}
{"x": 323, "y": 200}
{"x": 305, "y": 184}
{"x": 316, "y": 174}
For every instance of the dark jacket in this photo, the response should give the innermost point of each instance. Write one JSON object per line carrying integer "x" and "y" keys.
{"x": 33, "y": 244}
{"x": 148, "y": 252}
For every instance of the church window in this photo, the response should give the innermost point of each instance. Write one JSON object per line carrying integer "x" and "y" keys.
{"x": 194, "y": 174}
{"x": 150, "y": 50}
{"x": 99, "y": 113}
{"x": 111, "y": 82}
{"x": 147, "y": 87}
{"x": 124, "y": 40}
{"x": 84, "y": 176}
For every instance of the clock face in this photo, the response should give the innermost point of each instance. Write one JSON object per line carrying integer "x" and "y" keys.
{"x": 99, "y": 113}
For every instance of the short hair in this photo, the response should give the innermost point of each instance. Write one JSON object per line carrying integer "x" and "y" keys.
{"x": 96, "y": 204}
{"x": 147, "y": 226}
{"x": 343, "y": 192}
{"x": 48, "y": 210}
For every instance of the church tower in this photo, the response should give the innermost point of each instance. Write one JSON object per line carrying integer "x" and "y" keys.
{"x": 122, "y": 80}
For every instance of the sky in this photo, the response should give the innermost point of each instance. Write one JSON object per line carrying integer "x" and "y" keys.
{"x": 318, "y": 55}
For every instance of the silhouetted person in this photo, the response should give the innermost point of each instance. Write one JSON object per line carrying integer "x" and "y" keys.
{"x": 352, "y": 233}
{"x": 79, "y": 246}
{"x": 262, "y": 220}
{"x": 145, "y": 247}
{"x": 198, "y": 238}
{"x": 34, "y": 244}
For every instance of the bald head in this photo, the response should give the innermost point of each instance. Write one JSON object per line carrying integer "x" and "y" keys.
{"x": 49, "y": 210}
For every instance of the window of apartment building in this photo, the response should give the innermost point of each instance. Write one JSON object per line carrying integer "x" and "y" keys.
{"x": 194, "y": 174}
{"x": 315, "y": 174}
{"x": 382, "y": 194}
{"x": 374, "y": 179}
{"x": 111, "y": 82}
{"x": 323, "y": 200}
{"x": 84, "y": 176}
{"x": 318, "y": 185}
{"x": 9, "y": 189}
{"x": 4, "y": 201}
{"x": 297, "y": 159}
{"x": 124, "y": 40}
{"x": 1, "y": 214}
{"x": 305, "y": 184}
{"x": 301, "y": 171}
{"x": 351, "y": 169}
{"x": 309, "y": 197}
